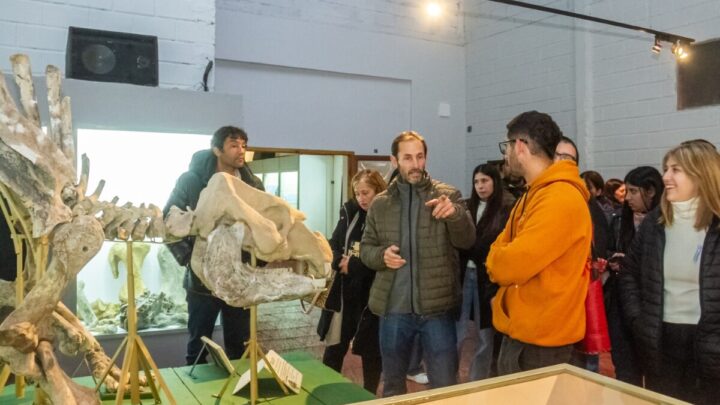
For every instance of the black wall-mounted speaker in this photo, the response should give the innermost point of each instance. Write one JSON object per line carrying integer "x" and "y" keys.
{"x": 108, "y": 56}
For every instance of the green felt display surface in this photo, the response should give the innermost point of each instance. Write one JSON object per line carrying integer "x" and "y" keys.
{"x": 321, "y": 386}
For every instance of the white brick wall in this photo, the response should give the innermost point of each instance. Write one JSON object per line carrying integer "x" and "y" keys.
{"x": 636, "y": 120}
{"x": 404, "y": 18}
{"x": 517, "y": 60}
{"x": 602, "y": 84}
{"x": 185, "y": 31}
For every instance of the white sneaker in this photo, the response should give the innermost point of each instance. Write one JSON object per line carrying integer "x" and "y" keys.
{"x": 420, "y": 378}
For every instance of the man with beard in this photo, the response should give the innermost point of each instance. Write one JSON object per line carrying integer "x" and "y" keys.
{"x": 412, "y": 231}
{"x": 227, "y": 154}
{"x": 539, "y": 260}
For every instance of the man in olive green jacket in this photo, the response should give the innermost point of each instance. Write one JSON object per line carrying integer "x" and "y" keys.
{"x": 411, "y": 235}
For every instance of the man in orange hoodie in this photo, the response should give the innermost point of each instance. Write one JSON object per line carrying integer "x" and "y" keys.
{"x": 539, "y": 259}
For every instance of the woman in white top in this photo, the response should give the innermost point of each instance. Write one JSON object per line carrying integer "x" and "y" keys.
{"x": 670, "y": 287}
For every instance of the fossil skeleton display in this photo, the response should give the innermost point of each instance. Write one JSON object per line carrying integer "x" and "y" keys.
{"x": 118, "y": 254}
{"x": 38, "y": 174}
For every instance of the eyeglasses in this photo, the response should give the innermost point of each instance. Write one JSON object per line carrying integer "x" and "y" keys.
{"x": 504, "y": 144}
{"x": 565, "y": 156}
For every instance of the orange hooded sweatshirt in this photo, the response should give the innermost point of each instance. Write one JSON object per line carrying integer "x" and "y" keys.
{"x": 539, "y": 261}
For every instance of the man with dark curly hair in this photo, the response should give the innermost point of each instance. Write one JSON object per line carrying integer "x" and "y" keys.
{"x": 539, "y": 258}
{"x": 226, "y": 154}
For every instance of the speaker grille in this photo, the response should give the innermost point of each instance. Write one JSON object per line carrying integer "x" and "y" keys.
{"x": 108, "y": 56}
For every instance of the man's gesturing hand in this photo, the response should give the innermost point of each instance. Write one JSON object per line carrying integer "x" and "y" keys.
{"x": 443, "y": 207}
{"x": 392, "y": 258}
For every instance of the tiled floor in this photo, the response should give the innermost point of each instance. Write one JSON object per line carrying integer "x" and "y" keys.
{"x": 352, "y": 367}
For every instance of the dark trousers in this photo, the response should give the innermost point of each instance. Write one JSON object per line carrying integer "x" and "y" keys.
{"x": 371, "y": 365}
{"x": 677, "y": 375}
{"x": 624, "y": 354}
{"x": 516, "y": 356}
{"x": 203, "y": 311}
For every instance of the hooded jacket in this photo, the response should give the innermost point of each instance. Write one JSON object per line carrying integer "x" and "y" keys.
{"x": 539, "y": 261}
{"x": 186, "y": 194}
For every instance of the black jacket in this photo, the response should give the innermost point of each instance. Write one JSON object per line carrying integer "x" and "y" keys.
{"x": 641, "y": 289}
{"x": 602, "y": 234}
{"x": 484, "y": 237}
{"x": 8, "y": 260}
{"x": 186, "y": 194}
{"x": 354, "y": 287}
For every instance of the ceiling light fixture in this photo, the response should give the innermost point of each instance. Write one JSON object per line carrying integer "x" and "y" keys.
{"x": 433, "y": 9}
{"x": 680, "y": 44}
{"x": 657, "y": 47}
{"x": 680, "y": 50}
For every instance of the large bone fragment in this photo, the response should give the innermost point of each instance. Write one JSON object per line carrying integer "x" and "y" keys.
{"x": 64, "y": 390}
{"x": 228, "y": 197}
{"x": 73, "y": 245}
{"x": 240, "y": 284}
{"x": 178, "y": 222}
{"x": 33, "y": 167}
{"x": 271, "y": 222}
{"x": 52, "y": 78}
{"x": 23, "y": 78}
{"x": 67, "y": 140}
{"x": 156, "y": 229}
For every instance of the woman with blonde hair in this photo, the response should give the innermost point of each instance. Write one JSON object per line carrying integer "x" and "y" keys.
{"x": 670, "y": 283}
{"x": 347, "y": 318}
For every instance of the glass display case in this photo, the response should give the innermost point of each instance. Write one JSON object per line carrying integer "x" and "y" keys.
{"x": 561, "y": 384}
{"x": 140, "y": 167}
{"x": 102, "y": 289}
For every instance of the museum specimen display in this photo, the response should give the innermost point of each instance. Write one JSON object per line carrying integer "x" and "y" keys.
{"x": 64, "y": 228}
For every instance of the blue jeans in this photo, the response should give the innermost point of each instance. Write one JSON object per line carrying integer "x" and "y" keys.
{"x": 437, "y": 335}
{"x": 480, "y": 365}
{"x": 415, "y": 366}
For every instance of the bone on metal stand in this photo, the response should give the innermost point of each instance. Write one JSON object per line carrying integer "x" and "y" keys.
{"x": 136, "y": 353}
{"x": 253, "y": 350}
{"x": 39, "y": 252}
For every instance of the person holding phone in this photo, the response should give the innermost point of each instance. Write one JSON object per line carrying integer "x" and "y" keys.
{"x": 346, "y": 316}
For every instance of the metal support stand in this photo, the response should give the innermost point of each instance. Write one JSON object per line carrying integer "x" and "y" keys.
{"x": 253, "y": 350}
{"x": 136, "y": 353}
{"x": 21, "y": 238}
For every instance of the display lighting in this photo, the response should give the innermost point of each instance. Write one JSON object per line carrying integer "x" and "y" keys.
{"x": 679, "y": 43}
{"x": 433, "y": 9}
{"x": 680, "y": 50}
{"x": 657, "y": 47}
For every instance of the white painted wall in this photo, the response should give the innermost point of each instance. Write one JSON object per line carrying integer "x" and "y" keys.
{"x": 399, "y": 18}
{"x": 297, "y": 107}
{"x": 602, "y": 84}
{"x": 283, "y": 58}
{"x": 185, "y": 31}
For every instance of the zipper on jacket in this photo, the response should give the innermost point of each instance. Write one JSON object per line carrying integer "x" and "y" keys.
{"x": 409, "y": 260}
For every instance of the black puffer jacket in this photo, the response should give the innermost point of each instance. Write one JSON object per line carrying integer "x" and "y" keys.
{"x": 186, "y": 194}
{"x": 8, "y": 260}
{"x": 484, "y": 237}
{"x": 641, "y": 293}
{"x": 354, "y": 288}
